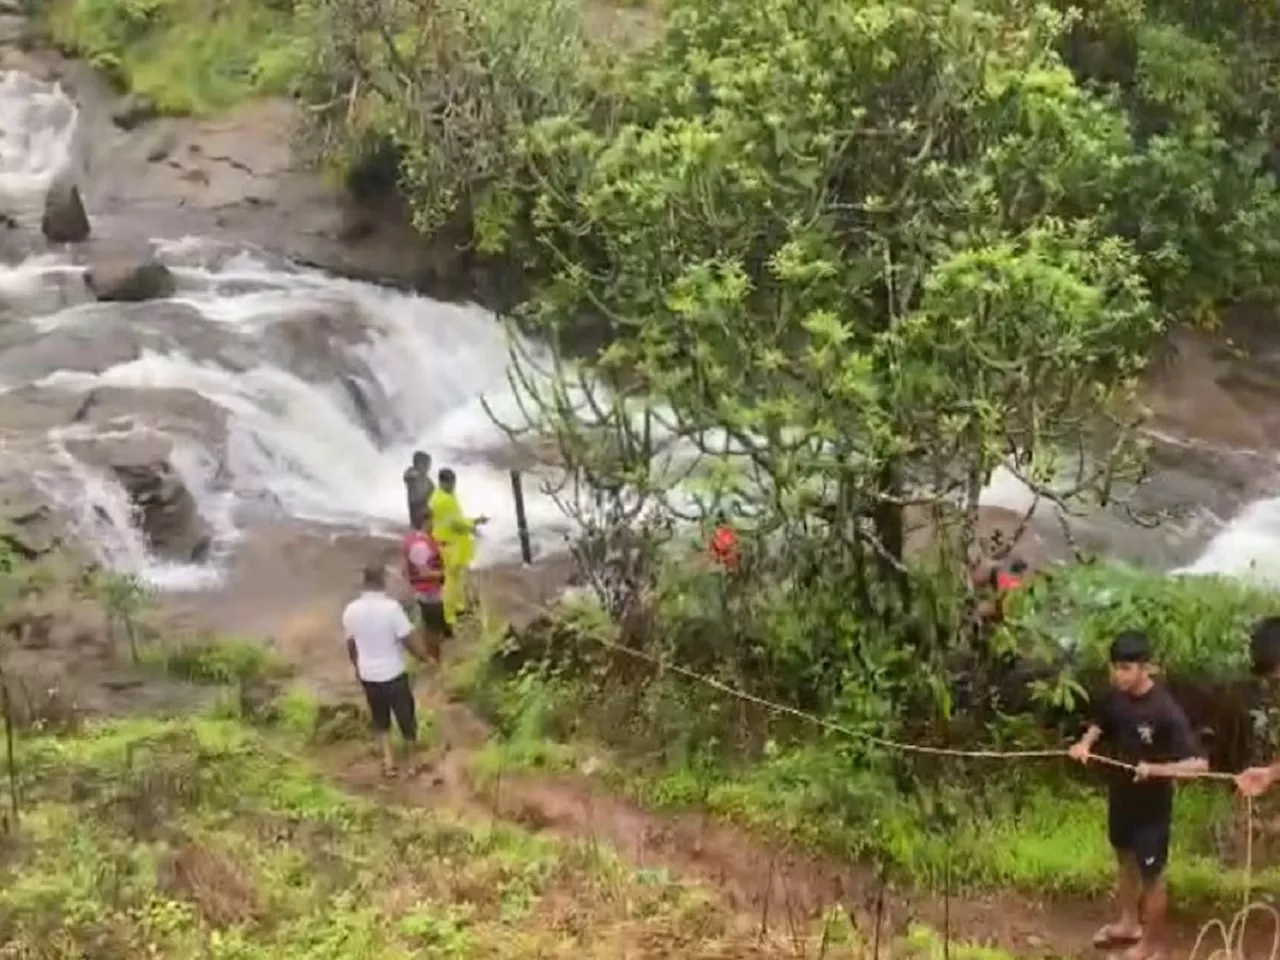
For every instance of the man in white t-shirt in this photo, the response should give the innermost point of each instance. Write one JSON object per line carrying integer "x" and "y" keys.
{"x": 377, "y": 631}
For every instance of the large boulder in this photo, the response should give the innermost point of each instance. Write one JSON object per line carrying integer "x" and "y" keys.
{"x": 130, "y": 281}
{"x": 322, "y": 346}
{"x": 28, "y": 525}
{"x": 65, "y": 220}
{"x": 167, "y": 513}
{"x": 102, "y": 336}
{"x": 132, "y": 110}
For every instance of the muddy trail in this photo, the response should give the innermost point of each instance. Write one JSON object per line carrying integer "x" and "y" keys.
{"x": 767, "y": 888}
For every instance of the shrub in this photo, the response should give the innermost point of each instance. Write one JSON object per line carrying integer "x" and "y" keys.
{"x": 1199, "y": 625}
{"x": 185, "y": 56}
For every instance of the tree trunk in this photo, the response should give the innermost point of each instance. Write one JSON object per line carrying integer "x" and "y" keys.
{"x": 11, "y": 765}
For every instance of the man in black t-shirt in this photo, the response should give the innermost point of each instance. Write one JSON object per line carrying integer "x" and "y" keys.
{"x": 418, "y": 487}
{"x": 1146, "y": 728}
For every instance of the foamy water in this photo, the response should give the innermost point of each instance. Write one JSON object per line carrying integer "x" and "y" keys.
{"x": 301, "y": 446}
{"x": 37, "y": 131}
{"x": 1248, "y": 547}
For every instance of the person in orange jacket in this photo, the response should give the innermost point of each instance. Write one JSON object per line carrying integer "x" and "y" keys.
{"x": 723, "y": 546}
{"x": 999, "y": 582}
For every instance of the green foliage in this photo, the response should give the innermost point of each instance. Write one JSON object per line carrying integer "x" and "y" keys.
{"x": 1200, "y": 625}
{"x": 188, "y": 838}
{"x": 858, "y": 256}
{"x": 219, "y": 660}
{"x": 452, "y": 85}
{"x": 185, "y": 56}
{"x": 1200, "y": 84}
{"x": 1034, "y": 828}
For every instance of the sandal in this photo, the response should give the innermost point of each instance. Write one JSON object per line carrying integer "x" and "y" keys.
{"x": 1143, "y": 951}
{"x": 1114, "y": 933}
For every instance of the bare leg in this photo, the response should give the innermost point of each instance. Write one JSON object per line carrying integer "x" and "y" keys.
{"x": 1129, "y": 895}
{"x": 1129, "y": 900}
{"x": 383, "y": 741}
{"x": 1155, "y": 906}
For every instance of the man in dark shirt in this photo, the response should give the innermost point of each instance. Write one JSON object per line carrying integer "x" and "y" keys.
{"x": 418, "y": 487}
{"x": 1146, "y": 728}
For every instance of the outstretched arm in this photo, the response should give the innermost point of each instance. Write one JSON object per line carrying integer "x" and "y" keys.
{"x": 1183, "y": 744}
{"x": 1256, "y": 781}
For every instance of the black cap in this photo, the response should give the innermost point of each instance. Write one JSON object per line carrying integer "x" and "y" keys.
{"x": 1130, "y": 646}
{"x": 375, "y": 576}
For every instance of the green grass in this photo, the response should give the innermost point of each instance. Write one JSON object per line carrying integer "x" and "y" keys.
{"x": 218, "y": 661}
{"x": 204, "y": 838}
{"x": 1200, "y": 625}
{"x": 186, "y": 56}
{"x": 1039, "y": 832}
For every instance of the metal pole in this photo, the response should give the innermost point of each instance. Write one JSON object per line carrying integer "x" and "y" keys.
{"x": 522, "y": 520}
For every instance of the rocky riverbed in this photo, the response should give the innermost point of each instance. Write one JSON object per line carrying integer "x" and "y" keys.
{"x": 201, "y": 383}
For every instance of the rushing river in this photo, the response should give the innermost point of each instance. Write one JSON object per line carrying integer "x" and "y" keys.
{"x": 311, "y": 426}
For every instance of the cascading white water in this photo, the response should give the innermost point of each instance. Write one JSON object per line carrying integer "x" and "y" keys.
{"x": 37, "y": 131}
{"x": 297, "y": 442}
{"x": 1248, "y": 547}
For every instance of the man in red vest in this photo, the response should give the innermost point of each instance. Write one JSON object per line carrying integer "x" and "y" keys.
{"x": 424, "y": 570}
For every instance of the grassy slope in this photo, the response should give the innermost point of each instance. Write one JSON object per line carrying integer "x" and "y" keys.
{"x": 186, "y": 56}
{"x": 202, "y": 56}
{"x": 1034, "y": 829}
{"x": 204, "y": 838}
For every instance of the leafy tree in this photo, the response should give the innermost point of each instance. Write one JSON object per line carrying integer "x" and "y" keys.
{"x": 1201, "y": 85}
{"x": 449, "y": 85}
{"x": 849, "y": 247}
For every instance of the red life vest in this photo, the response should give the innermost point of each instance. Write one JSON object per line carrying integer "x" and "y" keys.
{"x": 423, "y": 564}
{"x": 724, "y": 548}
{"x": 1007, "y": 581}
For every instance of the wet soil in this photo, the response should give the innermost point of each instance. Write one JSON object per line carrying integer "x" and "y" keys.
{"x": 764, "y": 885}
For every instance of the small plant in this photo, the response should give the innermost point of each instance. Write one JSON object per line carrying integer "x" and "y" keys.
{"x": 123, "y": 597}
{"x": 229, "y": 661}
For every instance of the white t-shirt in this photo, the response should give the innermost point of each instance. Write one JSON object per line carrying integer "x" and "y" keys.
{"x": 379, "y": 626}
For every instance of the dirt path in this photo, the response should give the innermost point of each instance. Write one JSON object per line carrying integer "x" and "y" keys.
{"x": 767, "y": 887}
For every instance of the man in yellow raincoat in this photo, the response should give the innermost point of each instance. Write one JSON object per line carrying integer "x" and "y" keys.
{"x": 456, "y": 535}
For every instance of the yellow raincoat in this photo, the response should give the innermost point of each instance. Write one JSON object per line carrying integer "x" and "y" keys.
{"x": 456, "y": 536}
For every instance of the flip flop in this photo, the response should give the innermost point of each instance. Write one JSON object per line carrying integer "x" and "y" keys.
{"x": 1113, "y": 934}
{"x": 1142, "y": 951}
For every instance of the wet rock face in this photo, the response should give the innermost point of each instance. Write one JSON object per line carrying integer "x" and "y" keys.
{"x": 65, "y": 220}
{"x": 28, "y": 526}
{"x": 101, "y": 337}
{"x": 130, "y": 281}
{"x": 320, "y": 346}
{"x": 167, "y": 512}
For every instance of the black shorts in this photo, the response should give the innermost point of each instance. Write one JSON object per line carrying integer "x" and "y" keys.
{"x": 1141, "y": 829}
{"x": 389, "y": 697}
{"x": 432, "y": 613}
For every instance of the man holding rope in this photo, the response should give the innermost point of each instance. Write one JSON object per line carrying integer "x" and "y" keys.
{"x": 1264, "y": 646}
{"x": 1149, "y": 731}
